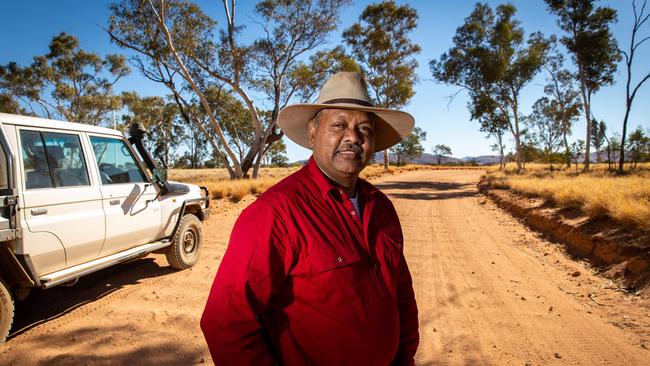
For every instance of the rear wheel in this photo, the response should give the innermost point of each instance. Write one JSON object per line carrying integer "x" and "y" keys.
{"x": 6, "y": 311}
{"x": 186, "y": 245}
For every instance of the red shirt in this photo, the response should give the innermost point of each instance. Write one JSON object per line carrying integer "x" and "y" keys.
{"x": 305, "y": 282}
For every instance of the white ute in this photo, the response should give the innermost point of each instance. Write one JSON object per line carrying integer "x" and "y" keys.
{"x": 76, "y": 198}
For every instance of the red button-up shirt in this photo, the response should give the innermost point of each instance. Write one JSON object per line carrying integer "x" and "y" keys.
{"x": 305, "y": 281}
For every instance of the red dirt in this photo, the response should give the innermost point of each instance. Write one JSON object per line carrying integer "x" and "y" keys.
{"x": 489, "y": 291}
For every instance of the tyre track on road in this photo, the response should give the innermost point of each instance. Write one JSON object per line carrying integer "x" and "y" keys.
{"x": 484, "y": 298}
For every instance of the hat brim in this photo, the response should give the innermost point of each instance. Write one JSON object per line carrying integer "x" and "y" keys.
{"x": 392, "y": 125}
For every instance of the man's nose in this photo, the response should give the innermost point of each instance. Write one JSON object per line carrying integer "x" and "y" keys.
{"x": 352, "y": 135}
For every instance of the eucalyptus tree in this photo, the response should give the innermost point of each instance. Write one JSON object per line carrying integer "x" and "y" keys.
{"x": 178, "y": 45}
{"x": 640, "y": 19}
{"x": 162, "y": 120}
{"x": 440, "y": 151}
{"x": 410, "y": 146}
{"x": 493, "y": 61}
{"x": 565, "y": 105}
{"x": 592, "y": 46}
{"x": 545, "y": 129}
{"x": 66, "y": 83}
{"x": 381, "y": 44}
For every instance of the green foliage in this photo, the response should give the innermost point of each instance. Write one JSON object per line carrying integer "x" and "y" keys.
{"x": 410, "y": 146}
{"x": 163, "y": 121}
{"x": 277, "y": 155}
{"x": 180, "y": 46}
{"x": 546, "y": 130}
{"x": 592, "y": 46}
{"x": 598, "y": 136}
{"x": 8, "y": 104}
{"x": 440, "y": 151}
{"x": 639, "y": 145}
{"x": 307, "y": 78}
{"x": 577, "y": 151}
{"x": 492, "y": 61}
{"x": 640, "y": 18}
{"x": 381, "y": 45}
{"x": 565, "y": 105}
{"x": 67, "y": 83}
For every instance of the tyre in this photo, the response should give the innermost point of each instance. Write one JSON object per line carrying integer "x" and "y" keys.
{"x": 186, "y": 244}
{"x": 6, "y": 311}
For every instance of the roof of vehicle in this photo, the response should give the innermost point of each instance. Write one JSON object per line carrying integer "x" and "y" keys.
{"x": 13, "y": 119}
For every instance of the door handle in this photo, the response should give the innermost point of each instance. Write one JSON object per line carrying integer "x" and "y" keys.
{"x": 39, "y": 211}
{"x": 114, "y": 202}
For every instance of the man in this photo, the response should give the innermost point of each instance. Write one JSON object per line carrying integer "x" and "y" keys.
{"x": 314, "y": 273}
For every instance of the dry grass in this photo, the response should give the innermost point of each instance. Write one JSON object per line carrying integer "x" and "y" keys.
{"x": 220, "y": 186}
{"x": 625, "y": 199}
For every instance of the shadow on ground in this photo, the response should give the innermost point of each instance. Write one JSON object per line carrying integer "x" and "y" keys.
{"x": 428, "y": 190}
{"x": 86, "y": 343}
{"x": 45, "y": 305}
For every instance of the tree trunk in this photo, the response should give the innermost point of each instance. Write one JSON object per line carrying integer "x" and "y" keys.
{"x": 609, "y": 157}
{"x": 518, "y": 155}
{"x": 586, "y": 100}
{"x": 567, "y": 151}
{"x": 621, "y": 154}
{"x": 501, "y": 157}
{"x": 386, "y": 162}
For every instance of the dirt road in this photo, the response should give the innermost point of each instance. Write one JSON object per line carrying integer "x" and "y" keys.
{"x": 489, "y": 291}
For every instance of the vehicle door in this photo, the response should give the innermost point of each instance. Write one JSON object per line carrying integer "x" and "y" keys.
{"x": 133, "y": 215}
{"x": 61, "y": 202}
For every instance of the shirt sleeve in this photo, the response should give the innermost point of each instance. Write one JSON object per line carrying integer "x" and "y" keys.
{"x": 252, "y": 270}
{"x": 409, "y": 336}
{"x": 408, "y": 318}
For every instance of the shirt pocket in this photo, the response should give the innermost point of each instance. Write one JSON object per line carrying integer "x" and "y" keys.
{"x": 327, "y": 259}
{"x": 389, "y": 254}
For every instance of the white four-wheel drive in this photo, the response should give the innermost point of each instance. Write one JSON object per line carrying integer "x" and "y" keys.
{"x": 76, "y": 198}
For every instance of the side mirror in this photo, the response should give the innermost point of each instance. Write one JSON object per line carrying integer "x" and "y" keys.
{"x": 160, "y": 174}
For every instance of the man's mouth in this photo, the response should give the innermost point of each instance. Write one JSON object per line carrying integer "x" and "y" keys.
{"x": 350, "y": 152}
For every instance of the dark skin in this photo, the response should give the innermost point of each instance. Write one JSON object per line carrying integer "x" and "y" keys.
{"x": 343, "y": 142}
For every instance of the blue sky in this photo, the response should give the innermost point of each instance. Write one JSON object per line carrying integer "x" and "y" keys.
{"x": 28, "y": 27}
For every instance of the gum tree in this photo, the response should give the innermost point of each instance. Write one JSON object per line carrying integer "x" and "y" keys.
{"x": 493, "y": 61}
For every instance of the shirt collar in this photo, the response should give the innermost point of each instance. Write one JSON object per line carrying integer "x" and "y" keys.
{"x": 326, "y": 185}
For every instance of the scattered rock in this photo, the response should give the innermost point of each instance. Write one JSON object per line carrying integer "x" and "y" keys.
{"x": 550, "y": 308}
{"x": 435, "y": 330}
{"x": 557, "y": 355}
{"x": 575, "y": 274}
{"x": 523, "y": 298}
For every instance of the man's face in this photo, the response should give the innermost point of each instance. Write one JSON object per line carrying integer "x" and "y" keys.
{"x": 343, "y": 142}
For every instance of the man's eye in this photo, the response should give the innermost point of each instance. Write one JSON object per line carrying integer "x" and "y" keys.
{"x": 366, "y": 130}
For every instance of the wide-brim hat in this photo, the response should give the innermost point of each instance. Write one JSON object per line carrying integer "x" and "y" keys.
{"x": 345, "y": 90}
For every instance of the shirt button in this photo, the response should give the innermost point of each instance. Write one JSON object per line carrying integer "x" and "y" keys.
{"x": 353, "y": 213}
{"x": 339, "y": 259}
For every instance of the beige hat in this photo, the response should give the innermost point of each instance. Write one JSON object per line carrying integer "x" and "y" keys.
{"x": 345, "y": 90}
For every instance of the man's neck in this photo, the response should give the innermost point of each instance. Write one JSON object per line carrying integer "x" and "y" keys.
{"x": 348, "y": 184}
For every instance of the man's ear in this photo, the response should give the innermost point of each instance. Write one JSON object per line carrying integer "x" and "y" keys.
{"x": 311, "y": 129}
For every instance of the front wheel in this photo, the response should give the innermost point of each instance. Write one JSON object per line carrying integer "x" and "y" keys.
{"x": 6, "y": 311}
{"x": 186, "y": 244}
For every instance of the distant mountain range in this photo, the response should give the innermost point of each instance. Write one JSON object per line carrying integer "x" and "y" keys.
{"x": 431, "y": 159}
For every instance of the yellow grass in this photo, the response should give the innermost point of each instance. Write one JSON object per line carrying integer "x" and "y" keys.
{"x": 220, "y": 186}
{"x": 625, "y": 199}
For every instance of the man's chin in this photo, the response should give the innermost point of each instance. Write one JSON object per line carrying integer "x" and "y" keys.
{"x": 349, "y": 166}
